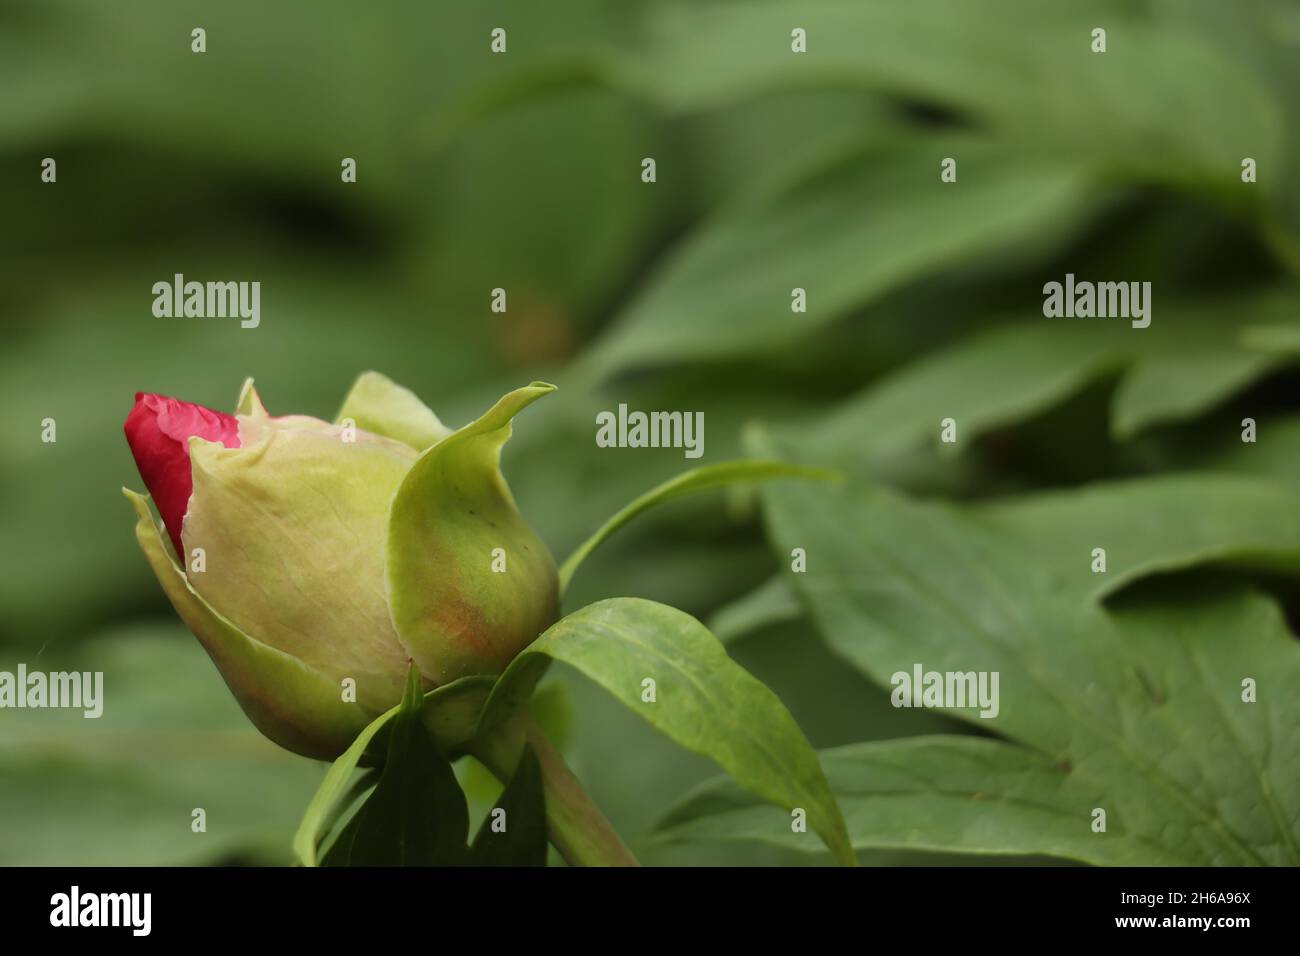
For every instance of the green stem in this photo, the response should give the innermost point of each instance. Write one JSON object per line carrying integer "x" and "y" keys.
{"x": 577, "y": 827}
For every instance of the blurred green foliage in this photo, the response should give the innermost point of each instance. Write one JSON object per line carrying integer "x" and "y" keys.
{"x": 521, "y": 171}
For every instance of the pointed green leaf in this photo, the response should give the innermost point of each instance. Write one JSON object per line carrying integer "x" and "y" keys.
{"x": 772, "y": 602}
{"x": 1004, "y": 64}
{"x": 1192, "y": 358}
{"x": 985, "y": 381}
{"x": 333, "y": 793}
{"x": 1275, "y": 453}
{"x": 417, "y": 814}
{"x": 110, "y": 791}
{"x": 1145, "y": 702}
{"x": 702, "y": 700}
{"x": 1153, "y": 525}
{"x": 450, "y": 716}
{"x": 849, "y": 235}
{"x": 514, "y": 832}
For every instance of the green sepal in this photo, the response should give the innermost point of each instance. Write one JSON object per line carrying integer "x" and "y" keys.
{"x": 293, "y": 524}
{"x": 250, "y": 403}
{"x": 378, "y": 404}
{"x": 295, "y": 706}
{"x": 454, "y": 613}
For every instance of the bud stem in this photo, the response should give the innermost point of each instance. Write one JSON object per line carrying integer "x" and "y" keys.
{"x": 578, "y": 828}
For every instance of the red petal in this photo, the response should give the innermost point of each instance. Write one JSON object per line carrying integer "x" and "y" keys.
{"x": 158, "y": 430}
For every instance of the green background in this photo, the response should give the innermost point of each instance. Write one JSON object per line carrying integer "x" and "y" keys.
{"x": 522, "y": 171}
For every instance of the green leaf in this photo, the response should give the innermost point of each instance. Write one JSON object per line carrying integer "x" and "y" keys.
{"x": 1275, "y": 453}
{"x": 1001, "y": 66}
{"x": 703, "y": 700}
{"x": 325, "y": 806}
{"x": 689, "y": 482}
{"x": 1200, "y": 356}
{"x": 360, "y": 788}
{"x": 1190, "y": 359}
{"x": 417, "y": 814}
{"x": 985, "y": 381}
{"x": 933, "y": 793}
{"x": 1140, "y": 701}
{"x": 521, "y": 811}
{"x": 455, "y": 616}
{"x": 450, "y": 716}
{"x": 1149, "y": 526}
{"x": 1026, "y": 71}
{"x": 170, "y": 739}
{"x": 1274, "y": 337}
{"x": 771, "y": 602}
{"x": 849, "y": 234}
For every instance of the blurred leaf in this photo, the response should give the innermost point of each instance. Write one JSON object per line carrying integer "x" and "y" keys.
{"x": 849, "y": 233}
{"x": 986, "y": 381}
{"x": 704, "y": 478}
{"x": 552, "y": 708}
{"x": 1109, "y": 696}
{"x": 1275, "y": 453}
{"x": 533, "y": 188}
{"x": 522, "y": 812}
{"x": 734, "y": 153}
{"x": 1188, "y": 360}
{"x": 1162, "y": 101}
{"x": 772, "y": 602}
{"x": 546, "y": 203}
{"x": 120, "y": 790}
{"x": 1203, "y": 360}
{"x": 703, "y": 701}
{"x": 1150, "y": 526}
{"x": 1265, "y": 35}
{"x": 115, "y": 103}
{"x": 355, "y": 83}
{"x": 833, "y": 702}
{"x": 567, "y": 504}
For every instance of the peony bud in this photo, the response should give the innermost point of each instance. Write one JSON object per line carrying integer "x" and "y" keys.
{"x": 334, "y": 554}
{"x": 158, "y": 431}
